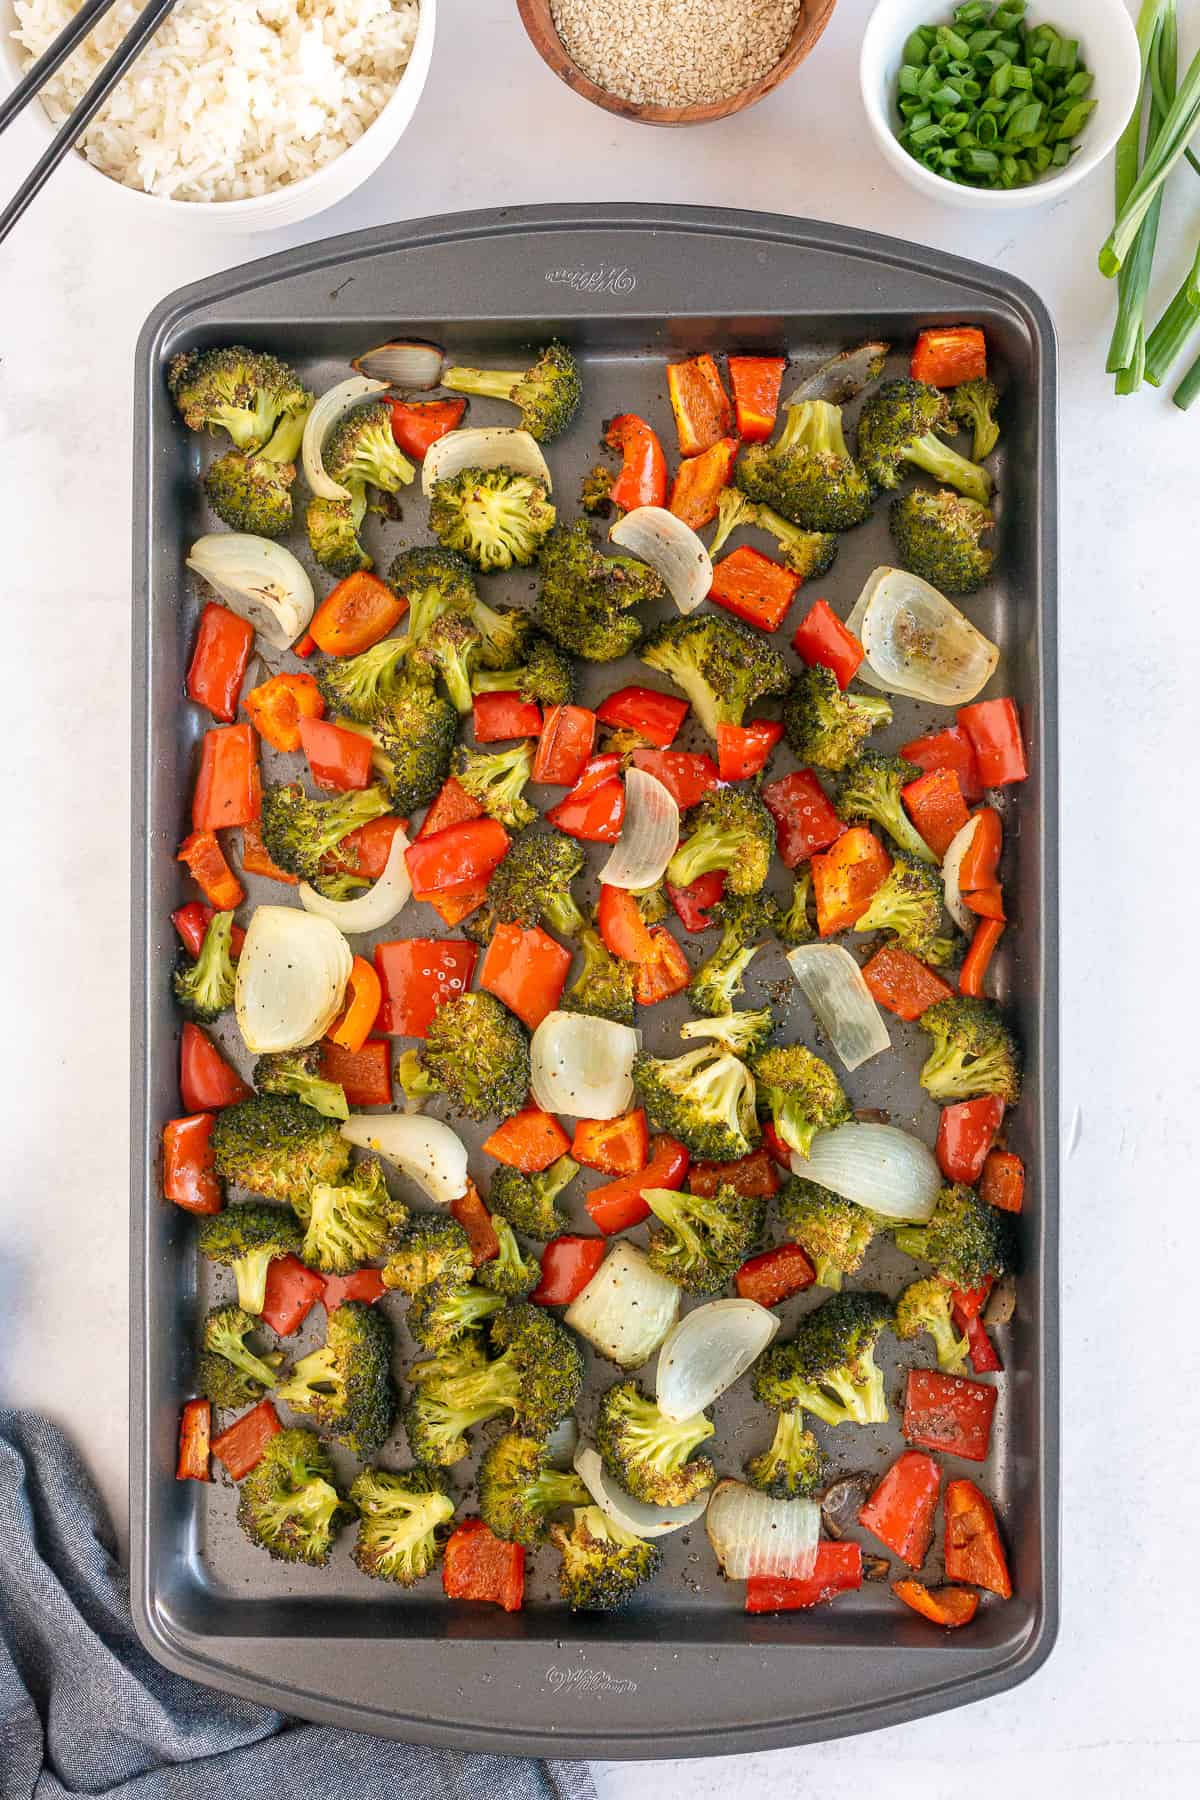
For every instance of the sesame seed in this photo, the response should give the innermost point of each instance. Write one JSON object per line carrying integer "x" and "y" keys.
{"x": 675, "y": 52}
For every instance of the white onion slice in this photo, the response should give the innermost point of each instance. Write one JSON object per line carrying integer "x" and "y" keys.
{"x": 426, "y": 1150}
{"x": 374, "y": 909}
{"x": 582, "y": 1066}
{"x": 561, "y": 1444}
{"x": 626, "y": 1309}
{"x": 842, "y": 377}
{"x": 952, "y": 863}
{"x": 755, "y": 1535}
{"x": 887, "y": 1170}
{"x": 404, "y": 363}
{"x": 333, "y": 405}
{"x": 833, "y": 985}
{"x": 649, "y": 834}
{"x": 483, "y": 447}
{"x": 258, "y": 580}
{"x": 708, "y": 1351}
{"x": 291, "y": 979}
{"x": 657, "y": 537}
{"x": 630, "y": 1514}
{"x": 917, "y": 643}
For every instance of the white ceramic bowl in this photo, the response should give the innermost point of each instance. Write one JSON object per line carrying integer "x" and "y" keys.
{"x": 1109, "y": 47}
{"x": 284, "y": 206}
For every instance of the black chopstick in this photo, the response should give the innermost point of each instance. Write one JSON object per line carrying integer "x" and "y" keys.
{"x": 52, "y": 57}
{"x": 140, "y": 33}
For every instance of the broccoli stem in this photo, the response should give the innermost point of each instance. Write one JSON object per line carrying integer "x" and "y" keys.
{"x": 250, "y": 1273}
{"x": 945, "y": 464}
{"x": 490, "y": 384}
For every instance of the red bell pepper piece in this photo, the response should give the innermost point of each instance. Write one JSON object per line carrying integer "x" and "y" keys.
{"x": 656, "y": 717}
{"x": 700, "y": 481}
{"x": 980, "y": 866}
{"x": 805, "y": 820}
{"x": 642, "y": 480}
{"x": 568, "y": 1264}
{"x": 970, "y": 1302}
{"x": 664, "y": 972}
{"x": 189, "y": 1177}
{"x": 687, "y": 775}
{"x": 567, "y": 740}
{"x": 460, "y": 855}
{"x": 223, "y": 646}
{"x": 364, "y": 1075}
{"x": 304, "y": 646}
{"x": 241, "y": 1446}
{"x": 364, "y": 1285}
{"x": 692, "y": 902}
{"x": 226, "y": 791}
{"x": 753, "y": 587}
{"x": 619, "y": 1204}
{"x": 950, "y": 1413}
{"x": 935, "y": 805}
{"x": 356, "y": 614}
{"x": 478, "y": 1566}
{"x": 193, "y": 920}
{"x": 901, "y": 1508}
{"x": 1003, "y": 1181}
{"x": 966, "y": 1132}
{"x": 775, "y": 1147}
{"x": 985, "y": 1358}
{"x": 846, "y": 877}
{"x": 458, "y": 903}
{"x": 743, "y": 750}
{"x": 476, "y": 1221}
{"x": 256, "y": 858}
{"x": 453, "y": 806}
{"x": 974, "y": 1552}
{"x": 364, "y": 997}
{"x": 291, "y": 1293}
{"x": 995, "y": 733}
{"x": 775, "y": 1275}
{"x": 756, "y": 381}
{"x": 527, "y": 970}
{"x": 902, "y": 983}
{"x": 502, "y": 714}
{"x": 195, "y": 1442}
{"x": 530, "y": 1141}
{"x": 206, "y": 1081}
{"x": 821, "y": 640}
{"x": 948, "y": 749}
{"x": 613, "y": 1146}
{"x": 417, "y": 975}
{"x": 595, "y": 807}
{"x": 948, "y": 1606}
{"x": 277, "y": 706}
{"x": 340, "y": 760}
{"x": 837, "y": 1570}
{"x": 947, "y": 355}
{"x": 210, "y": 871}
{"x": 702, "y": 409}
{"x": 621, "y": 925}
{"x": 753, "y": 1175}
{"x": 418, "y": 424}
{"x": 974, "y": 970}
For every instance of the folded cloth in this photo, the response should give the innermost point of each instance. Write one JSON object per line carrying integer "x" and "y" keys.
{"x": 85, "y": 1710}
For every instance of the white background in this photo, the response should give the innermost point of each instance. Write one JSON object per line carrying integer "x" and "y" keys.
{"x": 1115, "y": 1711}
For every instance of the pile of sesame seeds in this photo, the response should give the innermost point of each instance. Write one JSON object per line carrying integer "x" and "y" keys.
{"x": 675, "y": 52}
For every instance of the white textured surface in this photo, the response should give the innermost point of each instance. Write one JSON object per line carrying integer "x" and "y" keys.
{"x": 1114, "y": 1713}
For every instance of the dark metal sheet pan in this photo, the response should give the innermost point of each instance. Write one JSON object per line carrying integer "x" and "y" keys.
{"x": 686, "y": 1673}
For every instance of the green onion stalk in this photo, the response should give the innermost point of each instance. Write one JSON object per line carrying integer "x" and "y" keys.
{"x": 1158, "y": 42}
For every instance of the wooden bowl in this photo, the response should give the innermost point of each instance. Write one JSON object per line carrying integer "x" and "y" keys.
{"x": 543, "y": 34}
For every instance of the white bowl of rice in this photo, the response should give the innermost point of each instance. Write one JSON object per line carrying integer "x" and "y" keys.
{"x": 240, "y": 114}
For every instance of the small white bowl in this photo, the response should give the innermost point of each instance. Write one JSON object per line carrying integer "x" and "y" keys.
{"x": 1109, "y": 47}
{"x": 283, "y": 206}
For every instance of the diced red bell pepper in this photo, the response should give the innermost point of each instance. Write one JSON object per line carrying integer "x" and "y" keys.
{"x": 363, "y": 1285}
{"x": 458, "y": 903}
{"x": 417, "y": 975}
{"x": 936, "y": 807}
{"x": 948, "y": 749}
{"x": 971, "y": 1301}
{"x": 195, "y": 1442}
{"x": 277, "y": 706}
{"x": 613, "y": 1146}
{"x": 621, "y": 925}
{"x": 1003, "y": 1181}
{"x": 340, "y": 760}
{"x": 619, "y": 1204}
{"x": 980, "y": 865}
{"x": 355, "y": 615}
{"x": 192, "y": 922}
{"x": 950, "y": 1413}
{"x": 966, "y": 1132}
{"x": 223, "y": 645}
{"x": 821, "y": 640}
{"x": 567, "y": 740}
{"x": 664, "y": 972}
{"x": 743, "y": 750}
{"x": 210, "y": 871}
{"x": 478, "y": 1566}
{"x": 476, "y": 1221}
{"x": 189, "y": 1176}
{"x": 753, "y": 1175}
{"x": 305, "y": 646}
{"x": 418, "y": 424}
{"x": 530, "y": 1141}
{"x": 226, "y": 792}
{"x": 453, "y": 806}
{"x": 837, "y": 1570}
{"x": 805, "y": 820}
{"x": 692, "y": 903}
{"x": 460, "y": 855}
{"x": 976, "y": 962}
{"x": 256, "y": 858}
{"x": 568, "y": 1264}
{"x": 642, "y": 480}
{"x": 241, "y": 1446}
{"x": 595, "y": 807}
{"x": 775, "y": 1147}
{"x": 364, "y": 1075}
{"x": 995, "y": 733}
{"x": 973, "y": 1549}
{"x": 527, "y": 970}
{"x": 291, "y": 1293}
{"x": 947, "y": 355}
{"x": 364, "y": 997}
{"x": 687, "y": 775}
{"x": 756, "y": 381}
{"x": 985, "y": 1358}
{"x": 846, "y": 877}
{"x": 948, "y": 1606}
{"x": 703, "y": 413}
{"x": 900, "y": 1511}
{"x": 700, "y": 481}
{"x": 656, "y": 717}
{"x": 753, "y": 587}
{"x": 502, "y": 714}
{"x": 775, "y": 1275}
{"x": 206, "y": 1081}
{"x": 903, "y": 983}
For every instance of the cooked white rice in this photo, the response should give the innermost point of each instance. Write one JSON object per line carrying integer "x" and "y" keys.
{"x": 232, "y": 98}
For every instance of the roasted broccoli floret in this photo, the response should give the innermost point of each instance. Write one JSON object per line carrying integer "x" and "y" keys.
{"x": 808, "y": 474}
{"x": 833, "y": 1233}
{"x": 794, "y": 925}
{"x": 413, "y": 742}
{"x": 352, "y": 1221}
{"x": 529, "y": 1201}
{"x": 536, "y": 1379}
{"x": 586, "y": 601}
{"x": 909, "y": 902}
{"x": 801, "y": 1093}
{"x": 434, "y": 1248}
{"x": 828, "y": 1368}
{"x": 807, "y": 553}
{"x": 532, "y": 886}
{"x": 247, "y": 1239}
{"x": 744, "y": 1033}
{"x": 433, "y": 581}
{"x": 604, "y": 985}
{"x": 229, "y": 1373}
{"x": 204, "y": 988}
{"x": 288, "y": 1503}
{"x": 925, "y": 1306}
{"x": 793, "y": 1465}
{"x": 705, "y": 1238}
{"x": 277, "y": 1147}
{"x": 966, "y": 1240}
{"x": 547, "y": 676}
{"x": 476, "y": 1052}
{"x": 519, "y": 1492}
{"x": 493, "y": 517}
{"x": 548, "y": 392}
{"x": 506, "y": 631}
{"x": 445, "y": 1311}
{"x": 298, "y": 1072}
{"x": 602, "y": 1564}
{"x": 825, "y": 726}
{"x": 235, "y": 390}
{"x": 595, "y": 491}
{"x": 498, "y": 779}
{"x": 347, "y": 1386}
{"x": 449, "y": 648}
{"x": 363, "y": 686}
{"x": 939, "y": 537}
{"x": 973, "y": 405}
{"x": 873, "y": 789}
{"x": 403, "y": 1523}
{"x": 729, "y": 830}
{"x": 509, "y": 1272}
{"x": 722, "y": 666}
{"x": 899, "y": 425}
{"x": 648, "y": 1454}
{"x": 361, "y": 450}
{"x": 254, "y": 493}
{"x": 298, "y": 830}
{"x": 333, "y": 527}
{"x": 705, "y": 1098}
{"x": 746, "y": 924}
